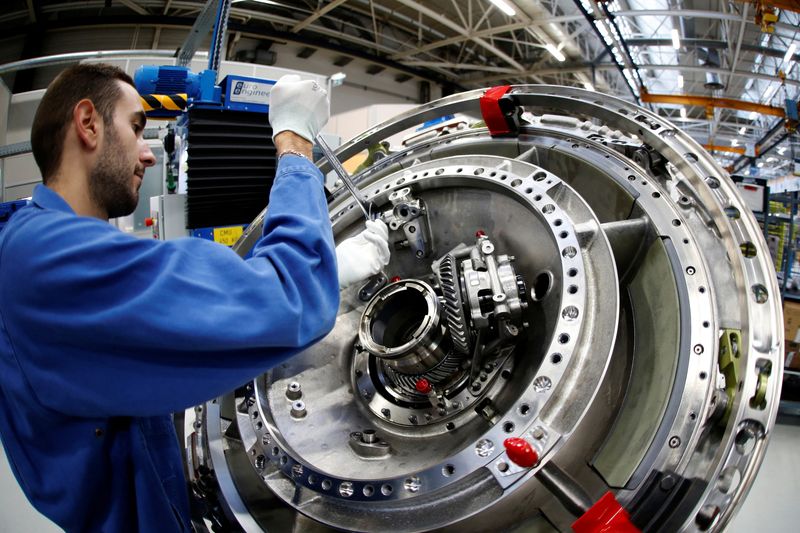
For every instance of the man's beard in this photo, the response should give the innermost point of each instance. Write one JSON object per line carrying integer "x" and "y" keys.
{"x": 110, "y": 180}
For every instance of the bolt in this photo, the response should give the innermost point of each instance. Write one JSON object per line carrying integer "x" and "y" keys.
{"x": 674, "y": 442}
{"x": 483, "y": 376}
{"x": 488, "y": 367}
{"x": 456, "y": 405}
{"x": 368, "y": 436}
{"x": 442, "y": 411}
{"x": 538, "y": 433}
{"x": 412, "y": 419}
{"x": 476, "y": 386}
{"x": 667, "y": 483}
{"x": 293, "y": 391}
{"x": 385, "y": 412}
{"x": 698, "y": 349}
{"x": 420, "y": 254}
{"x": 298, "y": 409}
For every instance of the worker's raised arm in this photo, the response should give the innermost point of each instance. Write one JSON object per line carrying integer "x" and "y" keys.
{"x": 129, "y": 326}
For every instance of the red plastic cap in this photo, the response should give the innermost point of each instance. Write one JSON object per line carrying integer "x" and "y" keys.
{"x": 480, "y": 233}
{"x": 149, "y": 221}
{"x": 423, "y": 386}
{"x": 520, "y": 452}
{"x": 394, "y": 279}
{"x": 605, "y": 516}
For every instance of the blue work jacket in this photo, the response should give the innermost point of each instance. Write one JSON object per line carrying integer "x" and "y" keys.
{"x": 102, "y": 335}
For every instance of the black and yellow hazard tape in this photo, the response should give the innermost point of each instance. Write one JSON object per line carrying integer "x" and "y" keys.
{"x": 169, "y": 102}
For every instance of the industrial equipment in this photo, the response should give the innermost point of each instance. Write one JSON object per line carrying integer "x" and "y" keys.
{"x": 581, "y": 329}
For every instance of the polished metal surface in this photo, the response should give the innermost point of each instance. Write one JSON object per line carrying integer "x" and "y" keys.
{"x": 624, "y": 320}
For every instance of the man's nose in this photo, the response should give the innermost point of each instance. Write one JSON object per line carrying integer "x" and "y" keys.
{"x": 146, "y": 156}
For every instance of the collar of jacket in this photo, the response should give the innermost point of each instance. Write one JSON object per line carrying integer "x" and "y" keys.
{"x": 47, "y": 198}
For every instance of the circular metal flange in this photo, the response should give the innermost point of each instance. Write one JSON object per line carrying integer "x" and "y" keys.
{"x": 690, "y": 398}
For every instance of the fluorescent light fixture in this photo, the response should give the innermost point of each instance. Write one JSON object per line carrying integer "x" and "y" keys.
{"x": 770, "y": 93}
{"x": 588, "y": 86}
{"x": 680, "y": 81}
{"x": 337, "y": 79}
{"x": 676, "y": 39}
{"x": 503, "y": 6}
{"x": 760, "y": 164}
{"x": 753, "y": 115}
{"x": 734, "y": 142}
{"x": 781, "y": 150}
{"x": 742, "y": 130}
{"x": 790, "y": 53}
{"x": 556, "y": 29}
{"x": 555, "y": 52}
{"x": 683, "y": 113}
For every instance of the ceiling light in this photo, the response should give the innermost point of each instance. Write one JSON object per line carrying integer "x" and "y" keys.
{"x": 753, "y": 115}
{"x": 676, "y": 39}
{"x": 337, "y": 79}
{"x": 742, "y": 130}
{"x": 683, "y": 113}
{"x": 790, "y": 53}
{"x": 503, "y": 6}
{"x": 770, "y": 93}
{"x": 680, "y": 81}
{"x": 555, "y": 52}
{"x": 781, "y": 150}
{"x": 734, "y": 142}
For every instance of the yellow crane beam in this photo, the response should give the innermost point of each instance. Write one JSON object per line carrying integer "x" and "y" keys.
{"x": 709, "y": 102}
{"x": 732, "y": 149}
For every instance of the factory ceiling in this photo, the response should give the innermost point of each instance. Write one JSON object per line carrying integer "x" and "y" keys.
{"x": 635, "y": 49}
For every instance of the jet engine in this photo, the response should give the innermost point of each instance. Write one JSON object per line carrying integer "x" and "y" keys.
{"x": 580, "y": 323}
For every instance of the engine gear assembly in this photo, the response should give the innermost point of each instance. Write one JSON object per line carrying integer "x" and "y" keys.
{"x": 580, "y": 328}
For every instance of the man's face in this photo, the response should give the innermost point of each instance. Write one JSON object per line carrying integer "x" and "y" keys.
{"x": 117, "y": 176}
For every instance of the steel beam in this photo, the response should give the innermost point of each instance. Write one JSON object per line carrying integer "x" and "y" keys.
{"x": 317, "y": 14}
{"x": 711, "y": 102}
{"x": 463, "y": 31}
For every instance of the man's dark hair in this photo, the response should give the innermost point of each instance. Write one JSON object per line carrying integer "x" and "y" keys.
{"x": 95, "y": 81}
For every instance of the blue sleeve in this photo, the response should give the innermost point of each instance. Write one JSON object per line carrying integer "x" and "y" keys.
{"x": 105, "y": 324}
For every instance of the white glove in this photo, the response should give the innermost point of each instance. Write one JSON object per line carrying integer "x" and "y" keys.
{"x": 364, "y": 255}
{"x": 298, "y": 106}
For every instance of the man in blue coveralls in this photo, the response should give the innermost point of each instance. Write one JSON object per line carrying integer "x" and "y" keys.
{"x": 102, "y": 335}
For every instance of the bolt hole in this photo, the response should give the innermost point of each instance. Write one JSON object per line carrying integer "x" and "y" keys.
{"x": 326, "y": 484}
{"x": 563, "y": 338}
{"x": 541, "y": 286}
{"x": 386, "y": 489}
{"x": 508, "y": 427}
{"x": 556, "y": 358}
{"x": 448, "y": 470}
{"x": 524, "y": 409}
{"x": 450, "y": 426}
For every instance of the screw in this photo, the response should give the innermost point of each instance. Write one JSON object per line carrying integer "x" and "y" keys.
{"x": 293, "y": 391}
{"x": 298, "y": 409}
{"x": 698, "y": 349}
{"x": 667, "y": 483}
{"x": 538, "y": 433}
{"x": 674, "y": 442}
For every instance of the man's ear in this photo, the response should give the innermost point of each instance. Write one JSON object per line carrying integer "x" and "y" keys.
{"x": 88, "y": 123}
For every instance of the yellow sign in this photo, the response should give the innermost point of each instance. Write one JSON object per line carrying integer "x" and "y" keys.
{"x": 227, "y": 236}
